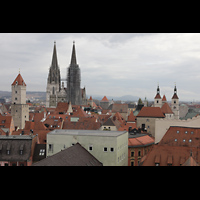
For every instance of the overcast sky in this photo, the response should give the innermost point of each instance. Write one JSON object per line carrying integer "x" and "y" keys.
{"x": 112, "y": 64}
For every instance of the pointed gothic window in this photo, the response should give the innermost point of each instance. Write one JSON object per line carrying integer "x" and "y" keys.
{"x": 53, "y": 90}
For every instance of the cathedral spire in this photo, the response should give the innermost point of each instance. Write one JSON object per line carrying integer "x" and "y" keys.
{"x": 73, "y": 58}
{"x": 54, "y": 63}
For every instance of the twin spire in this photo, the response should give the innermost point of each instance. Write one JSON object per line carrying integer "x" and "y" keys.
{"x": 55, "y": 60}
{"x": 175, "y": 96}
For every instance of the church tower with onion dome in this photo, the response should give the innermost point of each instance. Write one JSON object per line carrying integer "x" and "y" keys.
{"x": 175, "y": 104}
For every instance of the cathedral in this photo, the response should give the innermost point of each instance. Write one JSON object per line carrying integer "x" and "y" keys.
{"x": 56, "y": 92}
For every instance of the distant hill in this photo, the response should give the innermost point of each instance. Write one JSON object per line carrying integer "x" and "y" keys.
{"x": 39, "y": 95}
{"x": 122, "y": 98}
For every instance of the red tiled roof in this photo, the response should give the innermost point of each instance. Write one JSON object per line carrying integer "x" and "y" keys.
{"x": 175, "y": 96}
{"x": 166, "y": 109}
{"x": 177, "y": 154}
{"x": 151, "y": 112}
{"x": 20, "y": 80}
{"x": 105, "y": 99}
{"x": 125, "y": 126}
{"x": 175, "y": 147}
{"x": 164, "y": 98}
{"x": 140, "y": 141}
{"x": 157, "y": 96}
{"x": 131, "y": 117}
{"x": 88, "y": 123}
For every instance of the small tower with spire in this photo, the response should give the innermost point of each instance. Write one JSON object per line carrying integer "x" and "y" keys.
{"x": 19, "y": 108}
{"x": 175, "y": 103}
{"x": 157, "y": 99}
{"x": 53, "y": 81}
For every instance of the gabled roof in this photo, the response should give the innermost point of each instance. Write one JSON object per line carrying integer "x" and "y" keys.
{"x": 75, "y": 155}
{"x": 166, "y": 109}
{"x": 151, "y": 112}
{"x": 19, "y": 80}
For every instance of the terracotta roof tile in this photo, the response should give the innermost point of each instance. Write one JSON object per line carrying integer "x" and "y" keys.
{"x": 140, "y": 141}
{"x": 157, "y": 96}
{"x": 175, "y": 96}
{"x": 175, "y": 148}
{"x": 20, "y": 80}
{"x": 151, "y": 112}
{"x": 164, "y": 98}
{"x": 166, "y": 109}
{"x": 131, "y": 117}
{"x": 105, "y": 99}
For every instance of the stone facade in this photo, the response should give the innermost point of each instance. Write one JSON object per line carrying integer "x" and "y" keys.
{"x": 55, "y": 92}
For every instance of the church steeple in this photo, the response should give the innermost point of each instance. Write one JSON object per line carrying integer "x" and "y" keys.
{"x": 175, "y": 96}
{"x": 54, "y": 71}
{"x": 53, "y": 81}
{"x": 54, "y": 62}
{"x": 73, "y": 58}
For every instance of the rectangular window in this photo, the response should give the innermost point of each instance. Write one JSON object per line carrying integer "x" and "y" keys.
{"x": 41, "y": 152}
{"x": 111, "y": 149}
{"x": 51, "y": 148}
{"x": 90, "y": 148}
{"x": 132, "y": 154}
{"x": 105, "y": 149}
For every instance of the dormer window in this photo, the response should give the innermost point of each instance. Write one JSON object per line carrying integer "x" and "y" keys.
{"x": 16, "y": 83}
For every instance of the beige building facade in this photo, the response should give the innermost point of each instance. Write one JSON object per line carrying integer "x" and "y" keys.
{"x": 109, "y": 147}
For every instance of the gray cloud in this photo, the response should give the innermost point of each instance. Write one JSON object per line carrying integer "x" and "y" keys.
{"x": 113, "y": 64}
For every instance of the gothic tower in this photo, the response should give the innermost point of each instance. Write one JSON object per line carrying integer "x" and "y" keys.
{"x": 53, "y": 81}
{"x": 175, "y": 104}
{"x": 157, "y": 99}
{"x": 19, "y": 108}
{"x": 74, "y": 80}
